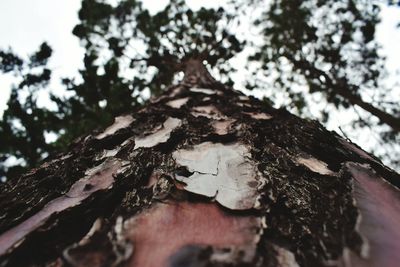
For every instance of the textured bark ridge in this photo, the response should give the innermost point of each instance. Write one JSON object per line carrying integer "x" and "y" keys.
{"x": 204, "y": 176}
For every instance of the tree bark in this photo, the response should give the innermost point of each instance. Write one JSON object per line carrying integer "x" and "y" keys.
{"x": 204, "y": 176}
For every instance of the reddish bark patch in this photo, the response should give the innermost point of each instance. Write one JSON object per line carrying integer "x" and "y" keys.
{"x": 161, "y": 231}
{"x": 99, "y": 178}
{"x": 379, "y": 205}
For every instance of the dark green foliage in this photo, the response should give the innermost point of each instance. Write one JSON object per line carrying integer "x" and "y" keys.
{"x": 23, "y": 127}
{"x": 9, "y": 62}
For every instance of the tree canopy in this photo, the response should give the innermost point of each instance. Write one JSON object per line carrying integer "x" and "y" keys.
{"x": 305, "y": 48}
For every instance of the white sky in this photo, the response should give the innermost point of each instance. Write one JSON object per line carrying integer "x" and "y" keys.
{"x": 25, "y": 24}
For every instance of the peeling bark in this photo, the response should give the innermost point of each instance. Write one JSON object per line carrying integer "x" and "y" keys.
{"x": 223, "y": 126}
{"x": 210, "y": 112}
{"x": 178, "y": 103}
{"x": 204, "y": 176}
{"x": 259, "y": 116}
{"x": 159, "y": 135}
{"x": 315, "y": 165}
{"x": 98, "y": 178}
{"x": 119, "y": 123}
{"x": 223, "y": 172}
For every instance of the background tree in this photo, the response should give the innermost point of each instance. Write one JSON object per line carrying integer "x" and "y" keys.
{"x": 23, "y": 127}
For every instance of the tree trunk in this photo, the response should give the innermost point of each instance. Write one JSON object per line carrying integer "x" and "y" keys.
{"x": 204, "y": 176}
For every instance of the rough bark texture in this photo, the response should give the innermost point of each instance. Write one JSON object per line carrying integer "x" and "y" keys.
{"x": 204, "y": 176}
